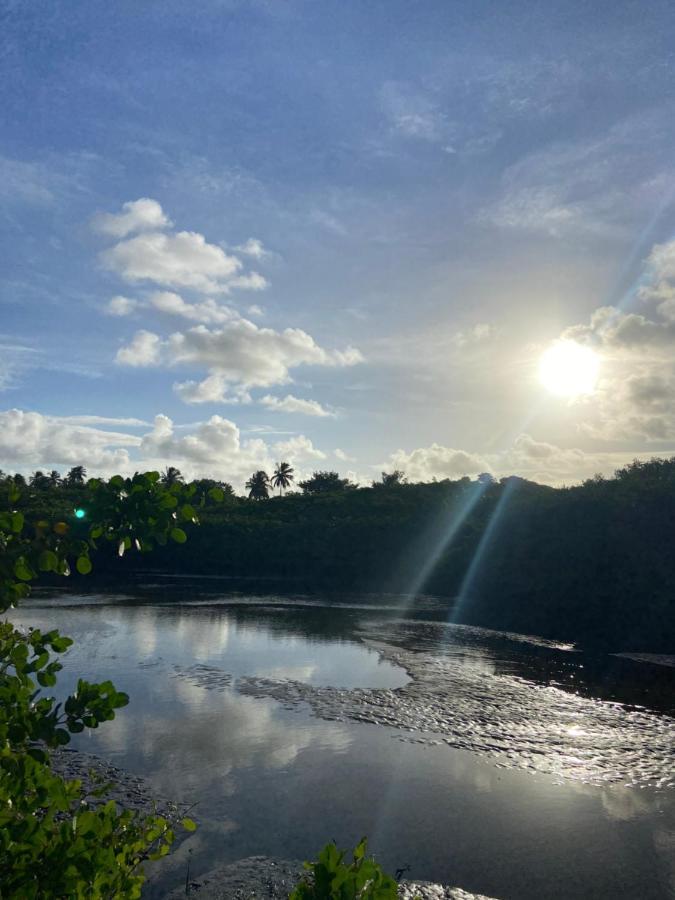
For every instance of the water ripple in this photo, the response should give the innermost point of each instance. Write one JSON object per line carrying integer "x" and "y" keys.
{"x": 517, "y": 722}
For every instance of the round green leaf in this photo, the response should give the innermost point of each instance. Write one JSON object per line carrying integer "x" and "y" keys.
{"x": 178, "y": 535}
{"x": 83, "y": 565}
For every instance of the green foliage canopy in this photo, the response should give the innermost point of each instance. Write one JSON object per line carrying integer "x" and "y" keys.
{"x": 52, "y": 842}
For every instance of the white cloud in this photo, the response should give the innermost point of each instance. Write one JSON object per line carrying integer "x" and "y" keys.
{"x": 213, "y": 389}
{"x": 437, "y": 462}
{"x": 570, "y": 188}
{"x": 144, "y": 350}
{"x": 635, "y": 397}
{"x": 207, "y": 311}
{"x": 341, "y": 455}
{"x": 291, "y": 404}
{"x": 252, "y": 247}
{"x": 527, "y": 457}
{"x": 251, "y": 281}
{"x": 101, "y": 420}
{"x": 30, "y": 439}
{"x": 213, "y": 448}
{"x": 240, "y": 353}
{"x": 121, "y": 306}
{"x": 137, "y": 215}
{"x": 183, "y": 260}
{"x": 298, "y": 448}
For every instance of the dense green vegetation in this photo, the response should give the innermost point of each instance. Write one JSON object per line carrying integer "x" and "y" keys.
{"x": 592, "y": 563}
{"x": 53, "y": 842}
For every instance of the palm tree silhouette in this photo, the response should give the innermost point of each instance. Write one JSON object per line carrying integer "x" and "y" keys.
{"x": 258, "y": 486}
{"x": 171, "y": 476}
{"x": 283, "y": 476}
{"x": 76, "y": 476}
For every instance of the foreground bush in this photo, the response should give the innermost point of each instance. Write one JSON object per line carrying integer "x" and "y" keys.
{"x": 52, "y": 844}
{"x": 333, "y": 879}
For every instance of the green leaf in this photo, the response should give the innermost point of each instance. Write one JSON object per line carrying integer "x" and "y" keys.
{"x": 188, "y": 513}
{"x": 17, "y": 522}
{"x": 178, "y": 535}
{"x": 188, "y": 824}
{"x": 83, "y": 565}
{"x": 48, "y": 561}
{"x": 22, "y": 571}
{"x": 216, "y": 494}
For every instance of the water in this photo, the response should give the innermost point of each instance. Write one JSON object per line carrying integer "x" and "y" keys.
{"x": 506, "y": 766}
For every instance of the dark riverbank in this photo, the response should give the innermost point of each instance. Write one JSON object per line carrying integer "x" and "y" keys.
{"x": 591, "y": 564}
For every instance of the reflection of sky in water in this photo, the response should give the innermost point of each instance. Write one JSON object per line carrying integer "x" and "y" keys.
{"x": 269, "y": 780}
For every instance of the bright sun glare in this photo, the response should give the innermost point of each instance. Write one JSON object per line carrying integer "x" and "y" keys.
{"x": 568, "y": 369}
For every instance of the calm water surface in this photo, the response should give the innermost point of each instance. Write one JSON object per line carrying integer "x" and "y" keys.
{"x": 273, "y": 780}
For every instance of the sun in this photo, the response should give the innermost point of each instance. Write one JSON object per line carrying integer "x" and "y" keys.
{"x": 568, "y": 369}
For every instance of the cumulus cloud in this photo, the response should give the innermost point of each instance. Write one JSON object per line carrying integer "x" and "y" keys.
{"x": 144, "y": 350}
{"x": 240, "y": 353}
{"x": 213, "y": 448}
{"x": 183, "y": 260}
{"x": 635, "y": 396}
{"x": 206, "y": 311}
{"x": 32, "y": 439}
{"x": 137, "y": 215}
{"x": 121, "y": 306}
{"x": 214, "y": 389}
{"x": 437, "y": 462}
{"x": 234, "y": 353}
{"x": 527, "y": 457}
{"x": 298, "y": 448}
{"x": 252, "y": 247}
{"x": 148, "y": 250}
{"x": 291, "y": 404}
{"x": 342, "y": 456}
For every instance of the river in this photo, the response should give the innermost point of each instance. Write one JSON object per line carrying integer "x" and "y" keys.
{"x": 502, "y": 764}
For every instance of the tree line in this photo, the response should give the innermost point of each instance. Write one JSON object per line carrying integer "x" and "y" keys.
{"x": 592, "y": 563}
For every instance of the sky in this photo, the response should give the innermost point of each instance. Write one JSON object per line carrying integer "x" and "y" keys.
{"x": 336, "y": 233}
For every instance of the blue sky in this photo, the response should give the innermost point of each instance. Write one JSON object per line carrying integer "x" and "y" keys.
{"x": 428, "y": 195}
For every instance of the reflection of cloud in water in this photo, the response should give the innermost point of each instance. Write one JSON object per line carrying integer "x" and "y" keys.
{"x": 226, "y": 732}
{"x": 624, "y": 803}
{"x": 145, "y": 633}
{"x": 205, "y": 639}
{"x": 294, "y": 673}
{"x": 521, "y": 725}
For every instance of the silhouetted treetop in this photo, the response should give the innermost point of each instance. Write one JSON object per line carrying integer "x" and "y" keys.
{"x": 326, "y": 482}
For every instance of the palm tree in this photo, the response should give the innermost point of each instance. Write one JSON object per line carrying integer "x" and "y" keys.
{"x": 39, "y": 480}
{"x": 54, "y": 478}
{"x": 283, "y": 476}
{"x": 171, "y": 476}
{"x": 258, "y": 486}
{"x": 77, "y": 475}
